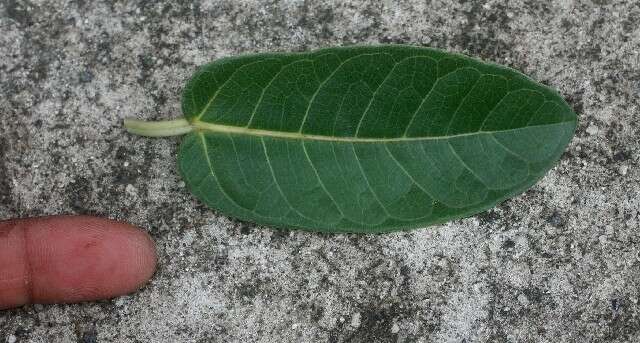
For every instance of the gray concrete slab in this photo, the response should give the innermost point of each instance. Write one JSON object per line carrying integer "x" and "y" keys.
{"x": 560, "y": 263}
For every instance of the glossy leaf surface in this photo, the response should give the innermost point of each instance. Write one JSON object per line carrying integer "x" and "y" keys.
{"x": 366, "y": 139}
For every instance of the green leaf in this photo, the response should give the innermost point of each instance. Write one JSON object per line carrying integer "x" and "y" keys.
{"x": 363, "y": 139}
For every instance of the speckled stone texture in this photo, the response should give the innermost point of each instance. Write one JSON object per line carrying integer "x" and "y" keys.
{"x": 560, "y": 263}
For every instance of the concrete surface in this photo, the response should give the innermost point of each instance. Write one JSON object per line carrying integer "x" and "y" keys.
{"x": 558, "y": 264}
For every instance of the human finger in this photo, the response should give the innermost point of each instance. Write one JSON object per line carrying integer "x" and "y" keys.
{"x": 65, "y": 259}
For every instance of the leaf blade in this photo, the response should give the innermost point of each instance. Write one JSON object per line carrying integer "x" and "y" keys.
{"x": 392, "y": 137}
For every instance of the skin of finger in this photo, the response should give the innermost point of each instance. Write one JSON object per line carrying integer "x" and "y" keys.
{"x": 13, "y": 267}
{"x": 78, "y": 258}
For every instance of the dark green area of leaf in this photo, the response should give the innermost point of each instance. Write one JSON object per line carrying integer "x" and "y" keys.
{"x": 366, "y": 139}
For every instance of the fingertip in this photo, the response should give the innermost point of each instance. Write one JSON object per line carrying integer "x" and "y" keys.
{"x": 138, "y": 251}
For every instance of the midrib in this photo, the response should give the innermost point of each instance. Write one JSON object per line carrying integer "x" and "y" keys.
{"x": 238, "y": 130}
